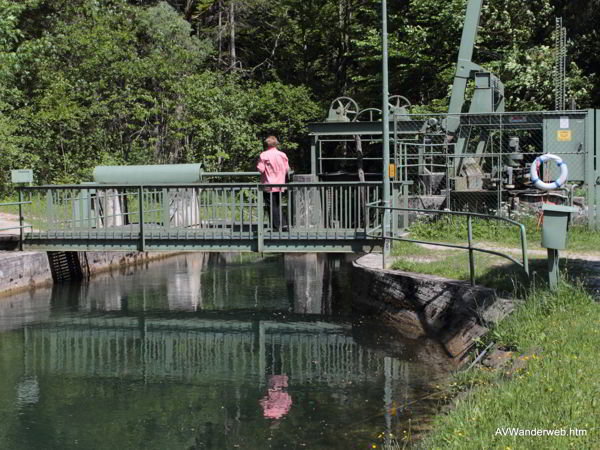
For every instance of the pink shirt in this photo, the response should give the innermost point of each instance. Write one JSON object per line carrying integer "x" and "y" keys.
{"x": 277, "y": 402}
{"x": 273, "y": 166}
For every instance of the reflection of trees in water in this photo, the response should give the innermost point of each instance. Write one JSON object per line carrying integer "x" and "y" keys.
{"x": 320, "y": 282}
{"x": 25, "y": 307}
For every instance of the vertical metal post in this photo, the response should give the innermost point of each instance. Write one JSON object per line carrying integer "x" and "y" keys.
{"x": 471, "y": 256}
{"x": 386, "y": 133}
{"x": 384, "y": 231}
{"x": 592, "y": 167}
{"x": 524, "y": 249}
{"x": 21, "y": 219}
{"x": 596, "y": 147}
{"x": 260, "y": 219}
{"x": 553, "y": 268}
{"x": 141, "y": 219}
{"x": 313, "y": 155}
{"x": 166, "y": 208}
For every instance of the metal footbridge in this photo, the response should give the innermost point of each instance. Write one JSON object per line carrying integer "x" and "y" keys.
{"x": 316, "y": 217}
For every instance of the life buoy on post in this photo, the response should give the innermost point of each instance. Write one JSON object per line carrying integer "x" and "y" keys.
{"x": 535, "y": 178}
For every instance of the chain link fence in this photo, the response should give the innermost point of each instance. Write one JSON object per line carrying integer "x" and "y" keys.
{"x": 484, "y": 166}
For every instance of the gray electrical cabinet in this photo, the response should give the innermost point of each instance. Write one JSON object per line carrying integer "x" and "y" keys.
{"x": 564, "y": 136}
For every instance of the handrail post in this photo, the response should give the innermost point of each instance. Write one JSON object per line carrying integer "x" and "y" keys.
{"x": 141, "y": 218}
{"x": 260, "y": 220}
{"x": 21, "y": 219}
{"x": 471, "y": 256}
{"x": 383, "y": 235}
{"x": 524, "y": 249}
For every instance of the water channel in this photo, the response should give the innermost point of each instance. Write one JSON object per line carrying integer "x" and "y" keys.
{"x": 208, "y": 351}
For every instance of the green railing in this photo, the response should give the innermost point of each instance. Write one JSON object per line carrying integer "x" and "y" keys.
{"x": 227, "y": 212}
{"x": 22, "y": 226}
{"x": 379, "y": 230}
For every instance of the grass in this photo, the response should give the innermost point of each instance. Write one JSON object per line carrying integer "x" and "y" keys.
{"x": 555, "y": 336}
{"x": 491, "y": 271}
{"x": 558, "y": 387}
{"x": 453, "y": 229}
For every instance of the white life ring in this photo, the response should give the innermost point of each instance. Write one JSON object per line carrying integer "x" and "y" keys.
{"x": 535, "y": 178}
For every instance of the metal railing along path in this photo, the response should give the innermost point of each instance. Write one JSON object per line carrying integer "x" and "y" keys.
{"x": 524, "y": 263}
{"x": 21, "y": 227}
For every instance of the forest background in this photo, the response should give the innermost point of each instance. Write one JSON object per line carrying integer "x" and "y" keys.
{"x": 91, "y": 82}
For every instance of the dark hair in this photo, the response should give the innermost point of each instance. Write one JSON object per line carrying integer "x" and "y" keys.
{"x": 271, "y": 141}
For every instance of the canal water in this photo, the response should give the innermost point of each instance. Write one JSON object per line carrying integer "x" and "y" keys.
{"x": 210, "y": 351}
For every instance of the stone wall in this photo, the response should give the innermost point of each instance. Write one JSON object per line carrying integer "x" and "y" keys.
{"x": 420, "y": 306}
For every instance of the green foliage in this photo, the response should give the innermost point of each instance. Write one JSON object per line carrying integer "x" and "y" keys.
{"x": 87, "y": 82}
{"x": 111, "y": 83}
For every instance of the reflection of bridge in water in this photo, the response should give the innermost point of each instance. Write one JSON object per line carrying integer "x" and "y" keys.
{"x": 201, "y": 350}
{"x": 190, "y": 331}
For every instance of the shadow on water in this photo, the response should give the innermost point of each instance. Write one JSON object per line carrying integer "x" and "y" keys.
{"x": 208, "y": 351}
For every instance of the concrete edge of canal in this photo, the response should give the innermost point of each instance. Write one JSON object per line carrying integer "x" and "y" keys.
{"x": 427, "y": 306}
{"x": 22, "y": 271}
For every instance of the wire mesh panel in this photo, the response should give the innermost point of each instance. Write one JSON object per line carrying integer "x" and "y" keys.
{"x": 484, "y": 166}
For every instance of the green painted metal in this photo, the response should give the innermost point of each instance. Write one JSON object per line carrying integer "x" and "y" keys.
{"x": 360, "y": 245}
{"x": 556, "y": 223}
{"x": 471, "y": 251}
{"x": 593, "y": 170}
{"x": 489, "y": 90}
{"x": 361, "y": 128}
{"x": 21, "y": 226}
{"x": 524, "y": 263}
{"x": 260, "y": 222}
{"x": 553, "y": 269}
{"x": 201, "y": 217}
{"x": 135, "y": 175}
{"x": 21, "y": 220}
{"x": 313, "y": 155}
{"x": 554, "y": 237}
{"x": 142, "y": 246}
{"x": 464, "y": 64}
{"x": 385, "y": 122}
{"x": 573, "y": 149}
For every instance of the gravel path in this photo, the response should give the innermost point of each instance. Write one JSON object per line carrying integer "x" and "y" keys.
{"x": 7, "y": 221}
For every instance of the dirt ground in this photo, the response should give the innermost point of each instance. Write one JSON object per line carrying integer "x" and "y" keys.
{"x": 7, "y": 221}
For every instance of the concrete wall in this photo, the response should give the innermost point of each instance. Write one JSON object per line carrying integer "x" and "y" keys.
{"x": 23, "y": 270}
{"x": 97, "y": 262}
{"x": 425, "y": 306}
{"x": 20, "y": 271}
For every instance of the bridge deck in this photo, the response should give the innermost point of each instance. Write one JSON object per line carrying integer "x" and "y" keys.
{"x": 154, "y": 239}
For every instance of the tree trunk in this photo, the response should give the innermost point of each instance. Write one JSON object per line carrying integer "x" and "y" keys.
{"x": 220, "y": 33}
{"x": 232, "y": 35}
{"x": 189, "y": 10}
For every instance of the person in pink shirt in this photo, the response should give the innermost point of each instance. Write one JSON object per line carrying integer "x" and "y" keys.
{"x": 277, "y": 402}
{"x": 273, "y": 167}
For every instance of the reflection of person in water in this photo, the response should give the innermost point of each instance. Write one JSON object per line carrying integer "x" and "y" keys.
{"x": 277, "y": 402}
